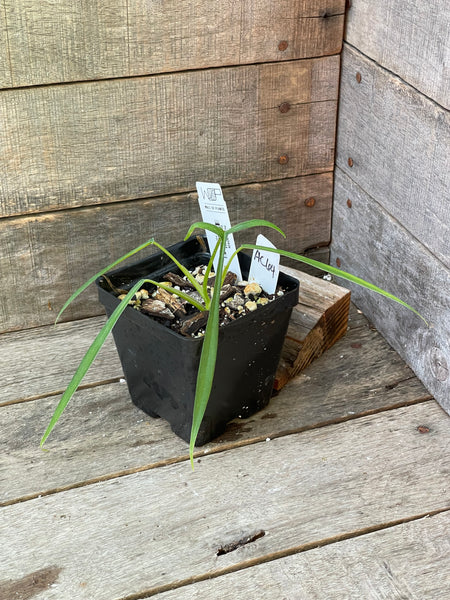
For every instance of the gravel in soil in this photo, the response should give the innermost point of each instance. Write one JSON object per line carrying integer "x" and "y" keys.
{"x": 236, "y": 300}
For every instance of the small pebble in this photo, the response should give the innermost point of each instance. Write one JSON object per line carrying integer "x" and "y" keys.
{"x": 251, "y": 305}
{"x": 252, "y": 288}
{"x": 262, "y": 301}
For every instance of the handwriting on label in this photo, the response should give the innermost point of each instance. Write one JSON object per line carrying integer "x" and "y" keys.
{"x": 263, "y": 260}
{"x": 265, "y": 266}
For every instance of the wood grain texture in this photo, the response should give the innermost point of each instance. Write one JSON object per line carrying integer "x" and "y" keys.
{"x": 371, "y": 244}
{"x": 162, "y": 526}
{"x": 411, "y": 39}
{"x": 102, "y": 434}
{"x": 51, "y": 255}
{"x": 318, "y": 321}
{"x": 41, "y": 361}
{"x": 398, "y": 141}
{"x": 406, "y": 561}
{"x": 52, "y": 41}
{"x": 5, "y": 64}
{"x": 96, "y": 142}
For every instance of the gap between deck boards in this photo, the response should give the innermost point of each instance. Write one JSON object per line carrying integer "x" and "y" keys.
{"x": 281, "y": 554}
{"x": 216, "y": 450}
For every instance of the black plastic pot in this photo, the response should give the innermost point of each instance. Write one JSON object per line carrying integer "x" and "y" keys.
{"x": 160, "y": 365}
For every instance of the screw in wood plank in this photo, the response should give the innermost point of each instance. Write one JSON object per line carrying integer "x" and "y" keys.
{"x": 284, "y": 107}
{"x": 349, "y": 203}
{"x": 350, "y": 161}
{"x": 423, "y": 429}
{"x": 282, "y": 46}
{"x": 358, "y": 77}
{"x": 309, "y": 202}
{"x": 283, "y": 159}
{"x": 338, "y": 262}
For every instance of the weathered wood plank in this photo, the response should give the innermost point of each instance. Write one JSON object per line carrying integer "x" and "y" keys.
{"x": 91, "y": 238}
{"x": 56, "y": 42}
{"x": 88, "y": 143}
{"x": 380, "y": 250}
{"x": 398, "y": 141}
{"x": 406, "y": 561}
{"x": 102, "y": 433}
{"x": 318, "y": 321}
{"x": 163, "y": 526}
{"x": 41, "y": 361}
{"x": 5, "y": 65}
{"x": 408, "y": 38}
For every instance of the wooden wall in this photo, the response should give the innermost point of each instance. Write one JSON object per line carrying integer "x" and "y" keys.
{"x": 111, "y": 110}
{"x": 391, "y": 220}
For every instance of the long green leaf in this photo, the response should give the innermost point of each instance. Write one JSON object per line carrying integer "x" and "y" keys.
{"x": 254, "y": 223}
{"x": 243, "y": 226}
{"x": 335, "y": 271}
{"x": 209, "y": 269}
{"x": 208, "y": 358}
{"x": 202, "y": 225}
{"x": 183, "y": 269}
{"x": 178, "y": 293}
{"x": 89, "y": 358}
{"x": 102, "y": 272}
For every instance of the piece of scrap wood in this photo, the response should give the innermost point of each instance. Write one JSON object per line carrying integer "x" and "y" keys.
{"x": 318, "y": 320}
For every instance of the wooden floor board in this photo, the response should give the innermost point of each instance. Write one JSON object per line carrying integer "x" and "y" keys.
{"x": 409, "y": 561}
{"x": 135, "y": 534}
{"x": 102, "y": 434}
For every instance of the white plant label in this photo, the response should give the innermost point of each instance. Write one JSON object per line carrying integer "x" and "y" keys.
{"x": 265, "y": 266}
{"x": 214, "y": 210}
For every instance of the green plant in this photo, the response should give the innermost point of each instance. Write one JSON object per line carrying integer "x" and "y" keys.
{"x": 209, "y": 303}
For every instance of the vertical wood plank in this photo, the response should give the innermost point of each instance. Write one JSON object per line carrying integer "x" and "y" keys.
{"x": 410, "y": 38}
{"x": 369, "y": 243}
{"x": 398, "y": 142}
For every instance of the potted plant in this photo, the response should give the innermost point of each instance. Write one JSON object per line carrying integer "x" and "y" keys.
{"x": 206, "y": 368}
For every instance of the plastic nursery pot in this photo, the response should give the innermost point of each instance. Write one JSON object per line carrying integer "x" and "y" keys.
{"x": 160, "y": 365}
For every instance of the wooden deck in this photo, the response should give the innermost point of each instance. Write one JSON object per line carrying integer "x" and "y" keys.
{"x": 339, "y": 489}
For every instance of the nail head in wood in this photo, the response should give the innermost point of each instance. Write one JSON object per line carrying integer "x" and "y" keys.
{"x": 282, "y": 46}
{"x": 350, "y": 161}
{"x": 358, "y": 77}
{"x": 349, "y": 203}
{"x": 284, "y": 107}
{"x": 283, "y": 159}
{"x": 309, "y": 202}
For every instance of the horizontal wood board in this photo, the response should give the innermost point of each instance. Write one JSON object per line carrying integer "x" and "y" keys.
{"x": 50, "y": 255}
{"x": 52, "y": 41}
{"x": 410, "y": 38}
{"x": 399, "y": 143}
{"x": 96, "y": 142}
{"x": 102, "y": 434}
{"x": 164, "y": 526}
{"x": 371, "y": 244}
{"x": 406, "y": 561}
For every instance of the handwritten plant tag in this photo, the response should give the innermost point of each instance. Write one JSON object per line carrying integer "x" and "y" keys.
{"x": 265, "y": 266}
{"x": 214, "y": 210}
